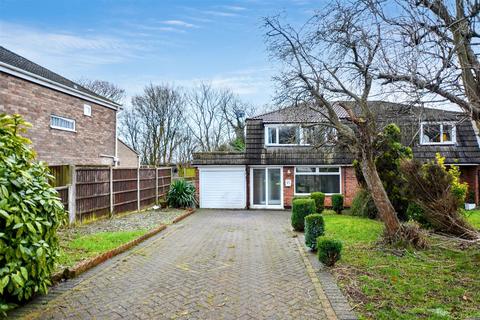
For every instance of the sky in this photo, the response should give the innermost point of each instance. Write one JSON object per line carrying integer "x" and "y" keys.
{"x": 134, "y": 43}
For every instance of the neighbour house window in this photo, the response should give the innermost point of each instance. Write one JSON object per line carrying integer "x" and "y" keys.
{"x": 62, "y": 123}
{"x": 437, "y": 133}
{"x": 317, "y": 179}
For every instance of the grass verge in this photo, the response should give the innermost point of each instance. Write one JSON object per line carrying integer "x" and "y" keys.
{"x": 442, "y": 282}
{"x": 83, "y": 247}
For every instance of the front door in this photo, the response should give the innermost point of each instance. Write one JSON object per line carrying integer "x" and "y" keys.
{"x": 266, "y": 188}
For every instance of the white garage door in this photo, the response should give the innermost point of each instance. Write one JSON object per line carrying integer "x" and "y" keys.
{"x": 223, "y": 187}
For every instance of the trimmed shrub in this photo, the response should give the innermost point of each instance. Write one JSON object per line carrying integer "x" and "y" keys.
{"x": 363, "y": 205}
{"x": 329, "y": 251}
{"x": 301, "y": 208}
{"x": 300, "y": 197}
{"x": 337, "y": 203}
{"x": 181, "y": 194}
{"x": 30, "y": 214}
{"x": 319, "y": 198}
{"x": 314, "y": 228}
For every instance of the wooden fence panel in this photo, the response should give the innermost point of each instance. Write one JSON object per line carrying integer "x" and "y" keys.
{"x": 92, "y": 192}
{"x": 164, "y": 181}
{"x": 147, "y": 187}
{"x": 124, "y": 189}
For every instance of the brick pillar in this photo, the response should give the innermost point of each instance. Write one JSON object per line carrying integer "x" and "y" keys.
{"x": 288, "y": 192}
{"x": 197, "y": 185}
{"x": 349, "y": 185}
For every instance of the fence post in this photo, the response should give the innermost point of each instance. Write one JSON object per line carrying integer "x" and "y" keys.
{"x": 72, "y": 194}
{"x": 156, "y": 185}
{"x": 138, "y": 188}
{"x": 111, "y": 190}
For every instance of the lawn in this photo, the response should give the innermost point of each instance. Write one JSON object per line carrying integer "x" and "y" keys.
{"x": 442, "y": 282}
{"x": 82, "y": 247}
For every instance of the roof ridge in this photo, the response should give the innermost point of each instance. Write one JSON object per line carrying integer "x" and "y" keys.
{"x": 273, "y": 111}
{"x": 72, "y": 84}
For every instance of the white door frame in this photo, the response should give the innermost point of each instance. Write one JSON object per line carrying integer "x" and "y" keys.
{"x": 266, "y": 206}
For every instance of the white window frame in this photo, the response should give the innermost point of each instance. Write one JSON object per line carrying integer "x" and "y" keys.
{"x": 87, "y": 110}
{"x": 441, "y": 124}
{"x": 277, "y": 138}
{"x": 317, "y": 173}
{"x": 63, "y": 128}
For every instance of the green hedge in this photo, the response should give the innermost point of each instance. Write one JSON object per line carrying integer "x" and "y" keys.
{"x": 329, "y": 251}
{"x": 300, "y": 197}
{"x": 314, "y": 228}
{"x": 319, "y": 198}
{"x": 301, "y": 208}
{"x": 337, "y": 203}
{"x": 30, "y": 214}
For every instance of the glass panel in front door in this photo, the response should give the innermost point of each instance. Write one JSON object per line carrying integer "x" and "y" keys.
{"x": 259, "y": 194}
{"x": 274, "y": 186}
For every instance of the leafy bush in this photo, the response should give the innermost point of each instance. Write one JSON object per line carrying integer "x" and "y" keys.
{"x": 329, "y": 251}
{"x": 416, "y": 213}
{"x": 459, "y": 189}
{"x": 301, "y": 208}
{"x": 391, "y": 152}
{"x": 30, "y": 214}
{"x": 431, "y": 186}
{"x": 319, "y": 198}
{"x": 314, "y": 228}
{"x": 363, "y": 205}
{"x": 337, "y": 203}
{"x": 181, "y": 194}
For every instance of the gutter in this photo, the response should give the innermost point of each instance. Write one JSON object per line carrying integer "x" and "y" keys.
{"x": 20, "y": 73}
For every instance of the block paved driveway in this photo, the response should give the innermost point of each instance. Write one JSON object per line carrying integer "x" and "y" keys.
{"x": 215, "y": 264}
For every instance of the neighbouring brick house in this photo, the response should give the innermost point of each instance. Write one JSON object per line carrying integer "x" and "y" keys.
{"x": 71, "y": 124}
{"x": 280, "y": 160}
{"x": 128, "y": 156}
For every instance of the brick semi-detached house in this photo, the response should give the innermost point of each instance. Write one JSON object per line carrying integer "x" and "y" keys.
{"x": 289, "y": 153}
{"x": 70, "y": 124}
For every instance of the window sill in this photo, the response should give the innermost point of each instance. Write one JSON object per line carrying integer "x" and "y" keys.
{"x": 63, "y": 129}
{"x": 438, "y": 144}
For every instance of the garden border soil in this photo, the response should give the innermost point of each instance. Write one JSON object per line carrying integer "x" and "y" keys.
{"x": 72, "y": 272}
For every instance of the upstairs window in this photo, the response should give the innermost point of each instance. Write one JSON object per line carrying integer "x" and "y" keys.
{"x": 320, "y": 135}
{"x": 283, "y": 135}
{"x": 437, "y": 133}
{"x": 62, "y": 123}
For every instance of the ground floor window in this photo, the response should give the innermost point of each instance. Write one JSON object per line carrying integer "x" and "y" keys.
{"x": 317, "y": 179}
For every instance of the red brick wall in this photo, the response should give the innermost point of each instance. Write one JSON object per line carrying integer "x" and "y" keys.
{"x": 349, "y": 186}
{"x": 95, "y": 135}
{"x": 469, "y": 174}
{"x": 288, "y": 192}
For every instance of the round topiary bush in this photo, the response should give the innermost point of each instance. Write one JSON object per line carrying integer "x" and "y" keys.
{"x": 181, "y": 194}
{"x": 319, "y": 198}
{"x": 301, "y": 208}
{"x": 329, "y": 251}
{"x": 337, "y": 203}
{"x": 314, "y": 228}
{"x": 30, "y": 213}
{"x": 300, "y": 197}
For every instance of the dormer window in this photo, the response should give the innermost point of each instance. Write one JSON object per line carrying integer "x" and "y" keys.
{"x": 283, "y": 135}
{"x": 437, "y": 133}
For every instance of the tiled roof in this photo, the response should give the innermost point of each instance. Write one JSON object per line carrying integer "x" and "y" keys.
{"x": 17, "y": 61}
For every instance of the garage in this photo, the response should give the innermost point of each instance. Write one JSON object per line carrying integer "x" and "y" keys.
{"x": 222, "y": 187}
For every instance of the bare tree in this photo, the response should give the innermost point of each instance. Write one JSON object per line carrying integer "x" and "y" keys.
{"x": 105, "y": 89}
{"x": 433, "y": 48}
{"x": 235, "y": 111}
{"x": 186, "y": 147}
{"x": 208, "y": 125}
{"x": 330, "y": 63}
{"x": 154, "y": 124}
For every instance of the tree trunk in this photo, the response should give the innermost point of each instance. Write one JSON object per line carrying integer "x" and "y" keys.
{"x": 380, "y": 198}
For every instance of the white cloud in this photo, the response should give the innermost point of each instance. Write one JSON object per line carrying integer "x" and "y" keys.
{"x": 62, "y": 50}
{"x": 234, "y": 8}
{"x": 179, "y": 23}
